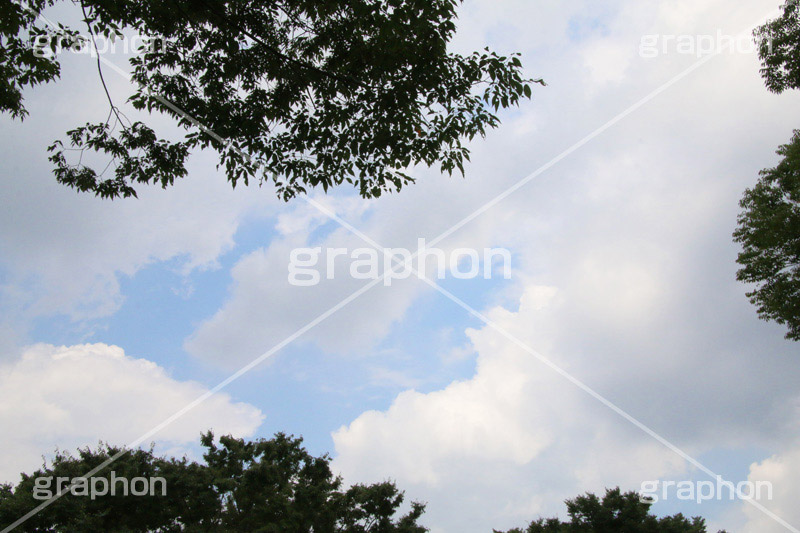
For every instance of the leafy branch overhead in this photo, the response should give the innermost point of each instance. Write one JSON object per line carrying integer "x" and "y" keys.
{"x": 769, "y": 225}
{"x": 304, "y": 92}
{"x": 769, "y": 232}
{"x": 778, "y": 48}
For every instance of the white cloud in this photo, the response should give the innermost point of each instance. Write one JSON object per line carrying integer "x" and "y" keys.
{"x": 65, "y": 253}
{"x": 519, "y": 439}
{"x": 782, "y": 471}
{"x": 83, "y": 245}
{"x": 516, "y": 437}
{"x": 607, "y": 61}
{"x": 74, "y": 396}
{"x": 265, "y": 308}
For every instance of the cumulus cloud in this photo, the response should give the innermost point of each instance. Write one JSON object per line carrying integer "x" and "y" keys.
{"x": 519, "y": 438}
{"x": 781, "y": 471}
{"x": 265, "y": 307}
{"x": 72, "y": 396}
{"x": 516, "y": 437}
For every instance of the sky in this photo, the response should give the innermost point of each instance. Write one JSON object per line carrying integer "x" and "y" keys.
{"x": 620, "y": 350}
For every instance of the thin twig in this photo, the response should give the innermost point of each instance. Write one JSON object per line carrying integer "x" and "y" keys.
{"x": 99, "y": 67}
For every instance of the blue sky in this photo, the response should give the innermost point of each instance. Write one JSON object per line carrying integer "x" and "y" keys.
{"x": 117, "y": 314}
{"x": 305, "y": 391}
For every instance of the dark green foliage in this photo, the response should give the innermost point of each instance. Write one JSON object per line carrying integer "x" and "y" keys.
{"x": 779, "y": 49}
{"x": 270, "y": 486}
{"x": 769, "y": 232}
{"x": 769, "y": 225}
{"x": 305, "y": 92}
{"x": 616, "y": 512}
{"x": 188, "y": 495}
{"x": 20, "y": 66}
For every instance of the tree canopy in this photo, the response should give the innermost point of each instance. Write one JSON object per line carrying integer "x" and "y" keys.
{"x": 616, "y": 512}
{"x": 779, "y": 49}
{"x": 267, "y": 485}
{"x": 769, "y": 232}
{"x": 270, "y": 486}
{"x": 305, "y": 93}
{"x": 769, "y": 225}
